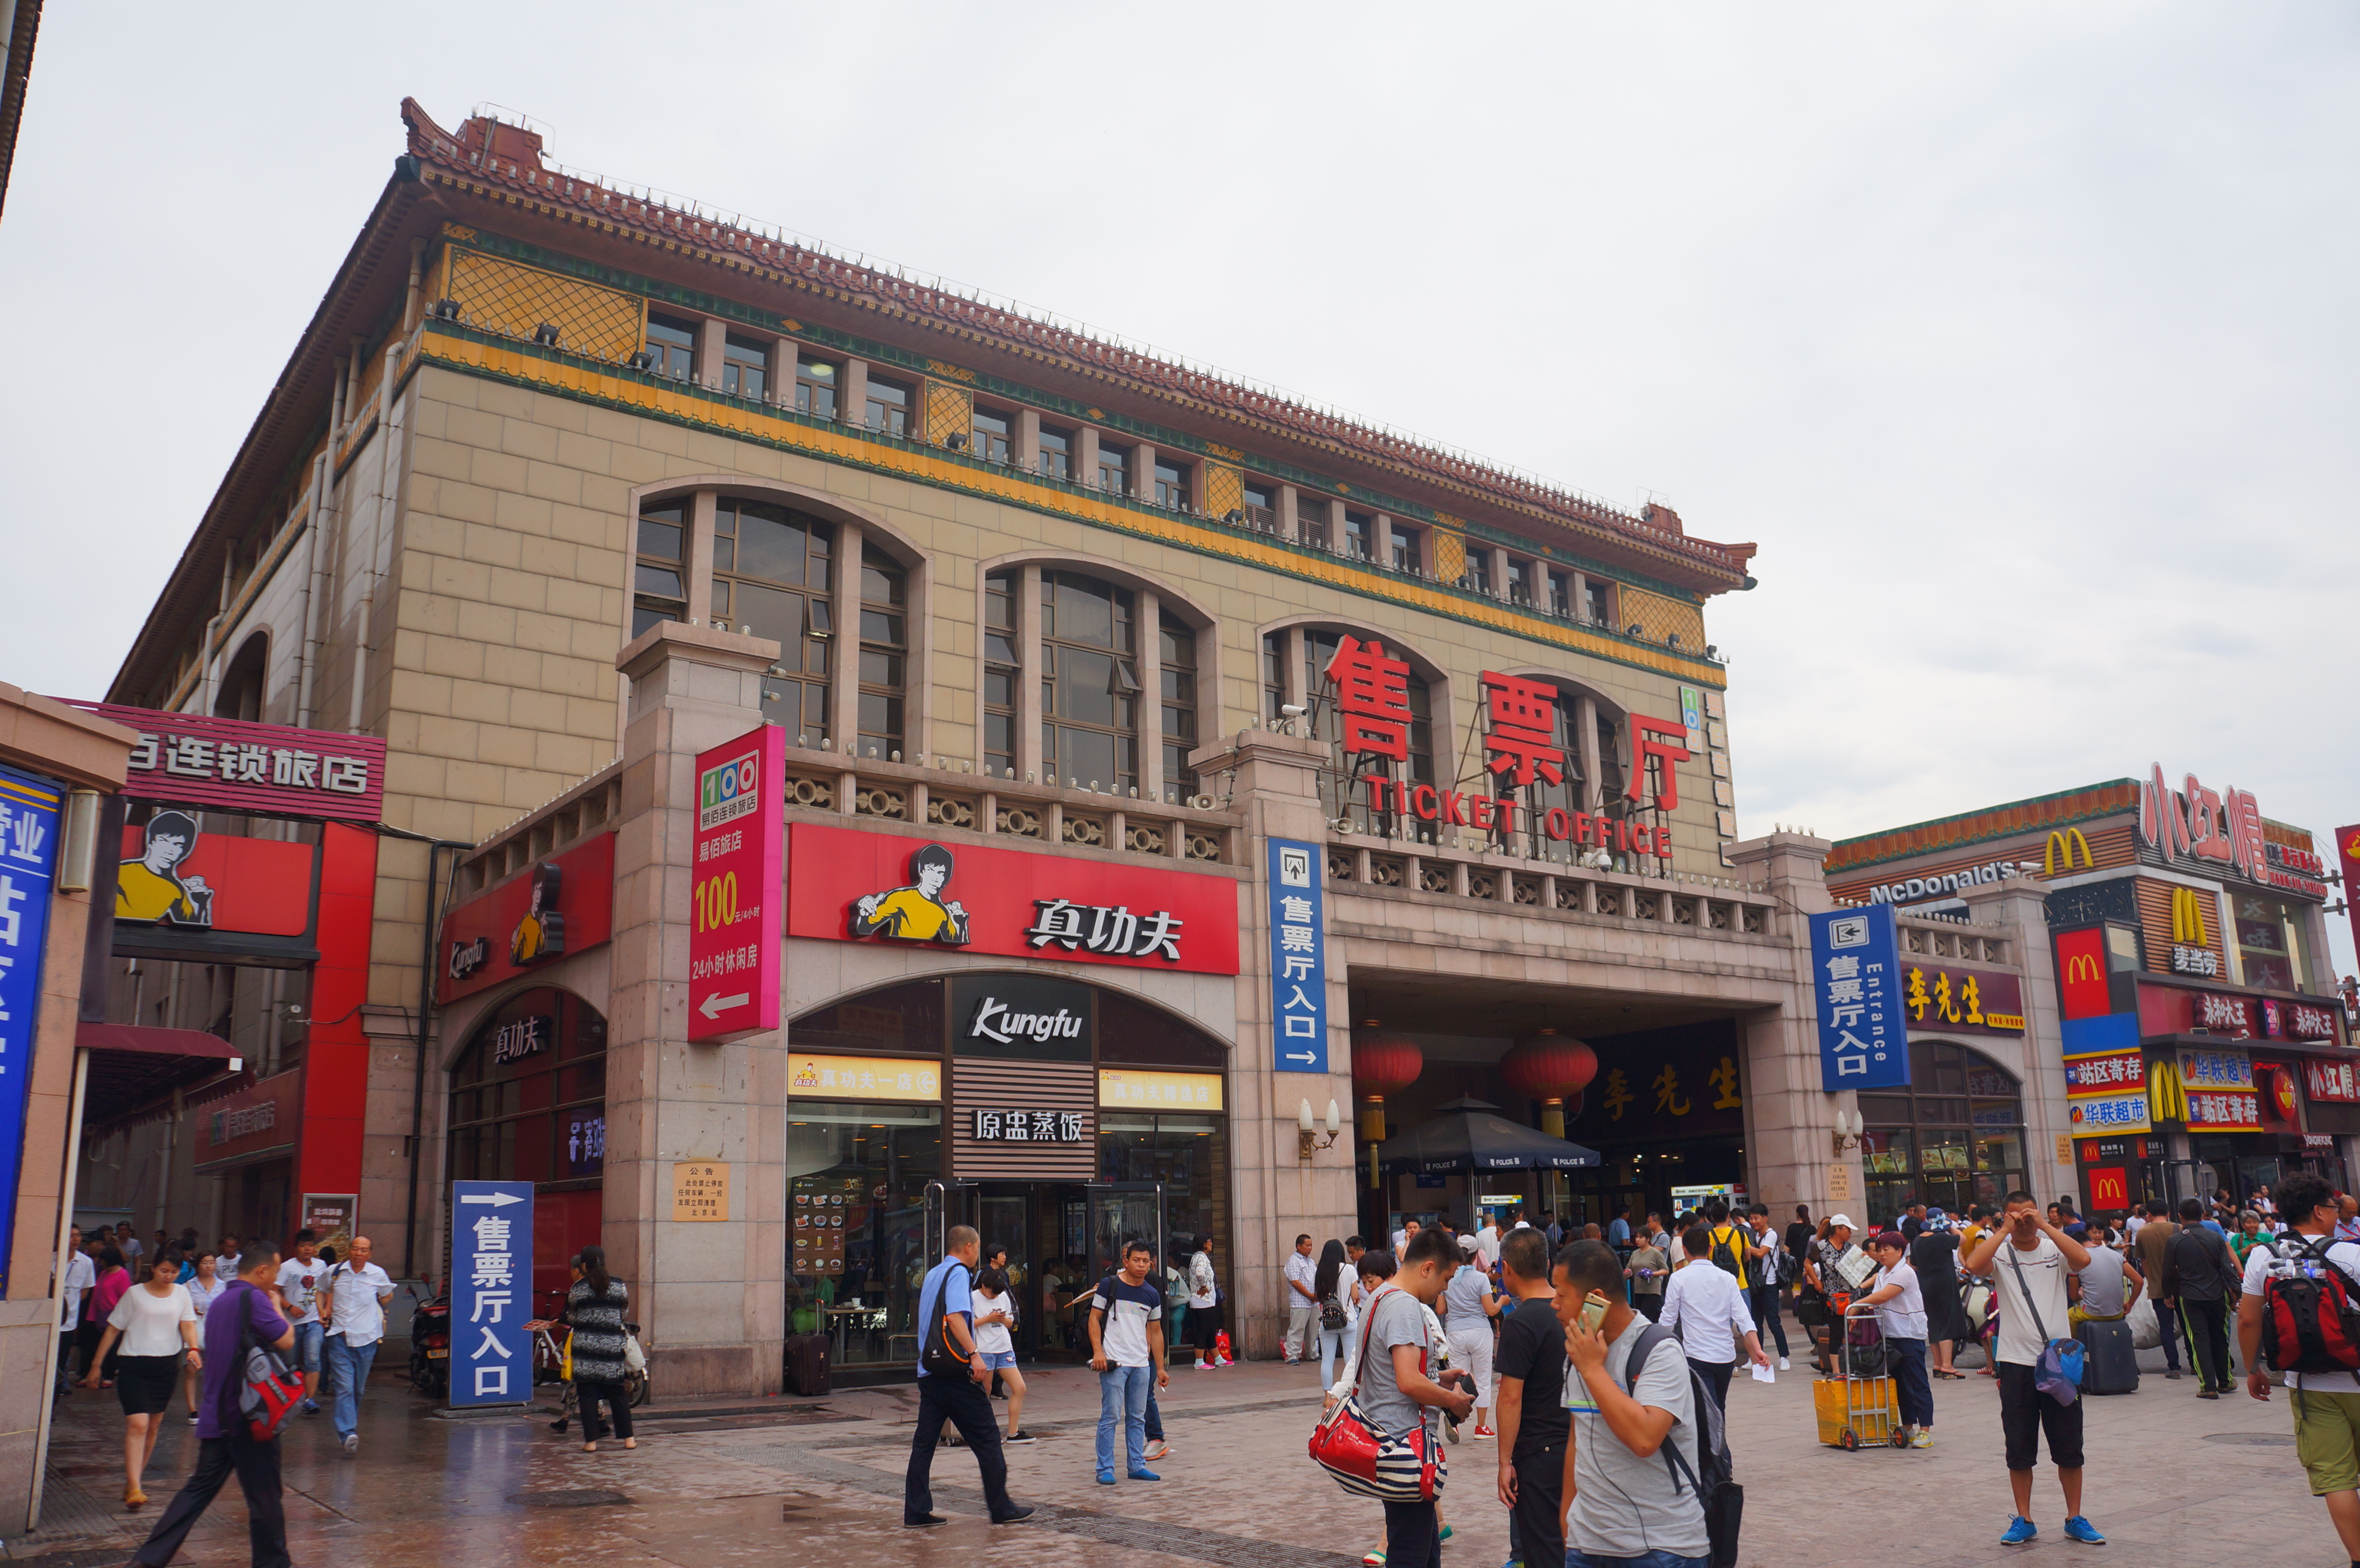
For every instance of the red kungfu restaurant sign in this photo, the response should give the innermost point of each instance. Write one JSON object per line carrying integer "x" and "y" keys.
{"x": 559, "y": 907}
{"x": 264, "y": 770}
{"x": 862, "y": 887}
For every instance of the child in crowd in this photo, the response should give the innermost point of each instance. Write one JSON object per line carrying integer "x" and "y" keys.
{"x": 995, "y": 1315}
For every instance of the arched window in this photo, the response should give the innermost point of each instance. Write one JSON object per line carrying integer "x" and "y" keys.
{"x": 773, "y": 571}
{"x": 244, "y": 682}
{"x": 1090, "y": 681}
{"x": 1954, "y": 1137}
{"x": 1342, "y": 790}
{"x": 1607, "y": 722}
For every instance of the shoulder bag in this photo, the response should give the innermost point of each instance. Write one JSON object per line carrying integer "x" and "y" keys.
{"x": 938, "y": 1356}
{"x": 2058, "y": 1372}
{"x": 268, "y": 1390}
{"x": 1364, "y": 1458}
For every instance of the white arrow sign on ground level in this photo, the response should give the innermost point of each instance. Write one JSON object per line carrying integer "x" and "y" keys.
{"x": 495, "y": 1198}
{"x": 714, "y": 1007}
{"x": 1299, "y": 1056}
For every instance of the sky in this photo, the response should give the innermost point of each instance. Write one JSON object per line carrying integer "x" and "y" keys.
{"x": 2020, "y": 337}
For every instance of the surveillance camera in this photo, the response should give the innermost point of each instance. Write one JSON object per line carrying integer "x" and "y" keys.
{"x": 1292, "y": 710}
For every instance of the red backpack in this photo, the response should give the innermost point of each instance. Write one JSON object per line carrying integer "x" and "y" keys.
{"x": 2310, "y": 1321}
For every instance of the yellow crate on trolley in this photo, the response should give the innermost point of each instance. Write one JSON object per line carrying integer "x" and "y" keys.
{"x": 1867, "y": 1407}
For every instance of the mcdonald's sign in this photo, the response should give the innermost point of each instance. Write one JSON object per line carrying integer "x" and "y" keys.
{"x": 2167, "y": 1099}
{"x": 2064, "y": 842}
{"x": 2082, "y": 986}
{"x": 2192, "y": 939}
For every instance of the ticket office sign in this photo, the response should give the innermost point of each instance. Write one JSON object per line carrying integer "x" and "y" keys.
{"x": 491, "y": 1292}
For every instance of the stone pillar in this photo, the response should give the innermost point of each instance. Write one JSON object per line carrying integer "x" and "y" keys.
{"x": 710, "y": 1295}
{"x": 697, "y": 559}
{"x": 1585, "y": 720}
{"x": 2017, "y": 907}
{"x": 711, "y": 334}
{"x": 1276, "y": 1195}
{"x": 1790, "y": 1119}
{"x": 854, "y": 409}
{"x": 1025, "y": 451}
{"x": 1288, "y": 528}
{"x": 1085, "y": 457}
{"x": 1143, "y": 471}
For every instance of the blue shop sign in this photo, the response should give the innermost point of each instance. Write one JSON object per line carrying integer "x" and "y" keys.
{"x": 1856, "y": 981}
{"x": 1299, "y": 957}
{"x": 29, "y": 809}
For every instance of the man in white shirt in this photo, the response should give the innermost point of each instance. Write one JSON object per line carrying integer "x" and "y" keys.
{"x": 1487, "y": 1240}
{"x": 356, "y": 1292}
{"x": 2027, "y": 1257}
{"x": 226, "y": 1261}
{"x": 2325, "y": 1403}
{"x": 299, "y": 1281}
{"x": 1711, "y": 1315}
{"x": 81, "y": 1277}
{"x": 1302, "y": 1301}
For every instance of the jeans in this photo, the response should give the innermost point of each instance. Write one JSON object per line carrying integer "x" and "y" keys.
{"x": 1122, "y": 1397}
{"x": 944, "y": 1398}
{"x": 1413, "y": 1535}
{"x": 2208, "y": 1340}
{"x": 591, "y": 1393}
{"x": 1767, "y": 1321}
{"x": 1539, "y": 1522}
{"x": 308, "y": 1344}
{"x": 256, "y": 1464}
{"x": 2167, "y": 1319}
{"x": 1578, "y": 1559}
{"x": 1331, "y": 1351}
{"x": 352, "y": 1364}
{"x": 1911, "y": 1387}
{"x": 1154, "y": 1422}
{"x": 1716, "y": 1376}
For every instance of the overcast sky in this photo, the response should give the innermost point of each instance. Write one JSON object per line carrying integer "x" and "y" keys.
{"x": 2021, "y": 337}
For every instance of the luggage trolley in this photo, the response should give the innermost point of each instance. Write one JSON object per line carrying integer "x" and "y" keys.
{"x": 1858, "y": 1407}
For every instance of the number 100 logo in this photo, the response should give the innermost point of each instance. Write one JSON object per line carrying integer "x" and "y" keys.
{"x": 727, "y": 792}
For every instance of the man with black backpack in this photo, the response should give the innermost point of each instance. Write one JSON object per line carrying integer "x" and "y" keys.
{"x": 2300, "y": 1311}
{"x": 250, "y": 1312}
{"x": 1647, "y": 1465}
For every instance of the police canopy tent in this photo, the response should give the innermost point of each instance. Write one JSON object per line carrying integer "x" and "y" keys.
{"x": 1470, "y": 1135}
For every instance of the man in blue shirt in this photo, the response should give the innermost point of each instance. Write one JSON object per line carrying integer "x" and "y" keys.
{"x": 947, "y": 1397}
{"x": 1618, "y": 1231}
{"x": 224, "y": 1445}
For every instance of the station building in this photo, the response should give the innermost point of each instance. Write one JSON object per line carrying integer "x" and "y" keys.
{"x": 1158, "y": 749}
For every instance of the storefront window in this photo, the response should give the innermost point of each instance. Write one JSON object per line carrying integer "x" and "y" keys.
{"x": 857, "y": 1194}
{"x": 1955, "y": 1137}
{"x": 2270, "y": 943}
{"x": 529, "y": 1103}
{"x": 1189, "y": 1155}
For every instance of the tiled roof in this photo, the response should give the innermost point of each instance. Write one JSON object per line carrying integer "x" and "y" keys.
{"x": 508, "y": 157}
{"x": 2042, "y": 812}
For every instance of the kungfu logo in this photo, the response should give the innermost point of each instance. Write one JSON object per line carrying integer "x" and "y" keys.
{"x": 993, "y": 1021}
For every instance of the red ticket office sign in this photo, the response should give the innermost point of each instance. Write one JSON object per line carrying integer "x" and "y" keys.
{"x": 737, "y": 866}
{"x": 849, "y": 886}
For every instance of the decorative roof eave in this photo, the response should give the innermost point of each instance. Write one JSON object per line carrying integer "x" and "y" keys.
{"x": 288, "y": 418}
{"x": 2064, "y": 808}
{"x": 1704, "y": 565}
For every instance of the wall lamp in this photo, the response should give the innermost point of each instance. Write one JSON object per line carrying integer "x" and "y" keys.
{"x": 1849, "y": 1125}
{"x": 1308, "y": 1139}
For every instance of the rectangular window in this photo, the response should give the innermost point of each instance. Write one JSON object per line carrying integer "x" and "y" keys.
{"x": 884, "y": 648}
{"x": 1056, "y": 452}
{"x": 889, "y": 406}
{"x": 1360, "y": 530}
{"x": 1311, "y": 519}
{"x": 1001, "y": 672}
{"x": 745, "y": 365}
{"x": 1089, "y": 683}
{"x": 671, "y": 344}
{"x": 1171, "y": 483}
{"x": 1560, "y": 593}
{"x": 1405, "y": 554}
{"x": 1520, "y": 580}
{"x": 1178, "y": 654}
{"x": 1600, "y": 608}
{"x": 1478, "y": 573}
{"x": 657, "y": 586}
{"x": 992, "y": 433}
{"x": 1114, "y": 469}
{"x": 1261, "y": 504}
{"x": 774, "y": 574}
{"x": 816, "y": 383}
{"x": 1273, "y": 675}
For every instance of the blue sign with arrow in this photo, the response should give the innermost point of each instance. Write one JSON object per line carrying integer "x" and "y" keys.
{"x": 1298, "y": 958}
{"x": 491, "y": 1292}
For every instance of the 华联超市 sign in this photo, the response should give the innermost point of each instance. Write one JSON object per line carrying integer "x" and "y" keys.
{"x": 847, "y": 886}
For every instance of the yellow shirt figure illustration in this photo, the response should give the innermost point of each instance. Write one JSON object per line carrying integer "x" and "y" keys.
{"x": 916, "y": 913}
{"x": 151, "y": 888}
{"x": 143, "y": 895}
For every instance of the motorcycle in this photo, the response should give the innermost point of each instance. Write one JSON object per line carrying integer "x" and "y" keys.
{"x": 429, "y": 1347}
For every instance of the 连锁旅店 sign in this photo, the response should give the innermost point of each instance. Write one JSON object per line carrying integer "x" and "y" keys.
{"x": 846, "y": 885}
{"x": 250, "y": 769}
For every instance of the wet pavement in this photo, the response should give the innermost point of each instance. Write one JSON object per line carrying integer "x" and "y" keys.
{"x": 2173, "y": 1480}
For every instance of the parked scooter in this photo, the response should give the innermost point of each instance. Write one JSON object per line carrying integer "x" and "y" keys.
{"x": 429, "y": 1347}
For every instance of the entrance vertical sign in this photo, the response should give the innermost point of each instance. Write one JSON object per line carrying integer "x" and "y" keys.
{"x": 1856, "y": 981}
{"x": 491, "y": 1292}
{"x": 28, "y": 874}
{"x": 738, "y": 911}
{"x": 1298, "y": 958}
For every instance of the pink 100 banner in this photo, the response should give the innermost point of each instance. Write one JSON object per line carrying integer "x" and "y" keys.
{"x": 736, "y": 900}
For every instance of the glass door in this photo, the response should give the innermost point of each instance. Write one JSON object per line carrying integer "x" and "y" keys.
{"x": 1003, "y": 1216}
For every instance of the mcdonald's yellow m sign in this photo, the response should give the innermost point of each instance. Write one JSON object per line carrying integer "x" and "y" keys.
{"x": 2081, "y": 969}
{"x": 2188, "y": 918}
{"x": 2058, "y": 855}
{"x": 2167, "y": 1100}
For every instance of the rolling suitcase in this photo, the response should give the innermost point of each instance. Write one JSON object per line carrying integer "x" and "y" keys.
{"x": 2109, "y": 1363}
{"x": 807, "y": 1365}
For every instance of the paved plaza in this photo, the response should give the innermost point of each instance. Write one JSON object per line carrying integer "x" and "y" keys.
{"x": 2173, "y": 1480}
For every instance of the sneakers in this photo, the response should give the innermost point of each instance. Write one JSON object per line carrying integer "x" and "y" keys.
{"x": 1105, "y": 1477}
{"x": 192, "y": 1418}
{"x": 1784, "y": 1365}
{"x": 1158, "y": 1449}
{"x": 1144, "y": 1473}
{"x": 1203, "y": 1367}
{"x": 2081, "y": 1530}
{"x": 1020, "y": 1437}
{"x": 2019, "y": 1532}
{"x": 1484, "y": 1432}
{"x": 1226, "y": 1362}
{"x": 352, "y": 1443}
{"x": 1923, "y": 1440}
{"x": 2208, "y": 1393}
{"x": 1021, "y": 1511}
{"x": 2171, "y": 1373}
{"x": 1372, "y": 1560}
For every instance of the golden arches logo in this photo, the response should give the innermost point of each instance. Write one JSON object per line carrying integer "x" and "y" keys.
{"x": 2188, "y": 918}
{"x": 2167, "y": 1100}
{"x": 2059, "y": 855}
{"x": 2080, "y": 968}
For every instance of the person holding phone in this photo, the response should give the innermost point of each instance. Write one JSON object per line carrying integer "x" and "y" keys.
{"x": 2027, "y": 1258}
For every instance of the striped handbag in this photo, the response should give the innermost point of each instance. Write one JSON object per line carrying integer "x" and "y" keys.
{"x": 1362, "y": 1456}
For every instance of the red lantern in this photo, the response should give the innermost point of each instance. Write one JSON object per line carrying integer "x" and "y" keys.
{"x": 1549, "y": 1066}
{"x": 1384, "y": 1062}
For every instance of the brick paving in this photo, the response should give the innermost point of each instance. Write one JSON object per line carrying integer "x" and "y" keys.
{"x": 2173, "y": 1480}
